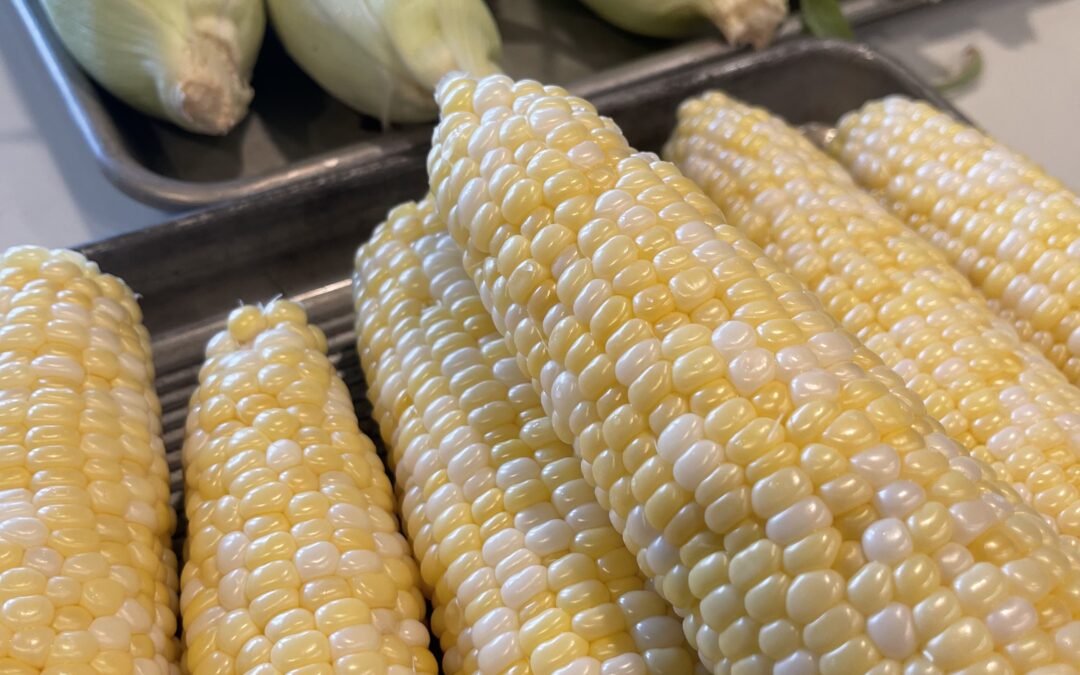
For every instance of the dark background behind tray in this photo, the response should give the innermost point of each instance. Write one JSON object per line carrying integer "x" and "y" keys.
{"x": 299, "y": 240}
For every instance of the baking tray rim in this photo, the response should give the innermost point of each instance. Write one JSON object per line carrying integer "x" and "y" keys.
{"x": 85, "y": 106}
{"x": 612, "y": 88}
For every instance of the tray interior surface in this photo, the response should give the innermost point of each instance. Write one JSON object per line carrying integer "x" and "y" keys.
{"x": 299, "y": 242}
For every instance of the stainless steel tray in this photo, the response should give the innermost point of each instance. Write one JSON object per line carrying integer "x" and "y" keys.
{"x": 297, "y": 133}
{"x": 298, "y": 240}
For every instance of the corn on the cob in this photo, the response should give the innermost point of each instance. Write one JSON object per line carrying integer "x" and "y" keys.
{"x": 87, "y": 572}
{"x": 294, "y": 562}
{"x": 896, "y": 292}
{"x": 528, "y": 573}
{"x": 1013, "y": 230}
{"x": 667, "y": 347}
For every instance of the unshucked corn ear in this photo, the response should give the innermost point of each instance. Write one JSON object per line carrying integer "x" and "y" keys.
{"x": 384, "y": 57}
{"x": 87, "y": 572}
{"x": 185, "y": 61}
{"x": 1013, "y": 230}
{"x": 528, "y": 574}
{"x": 896, "y": 292}
{"x": 741, "y": 21}
{"x": 668, "y": 349}
{"x": 294, "y": 561}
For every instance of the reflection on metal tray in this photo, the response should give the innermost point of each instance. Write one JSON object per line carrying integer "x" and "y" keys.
{"x": 295, "y": 132}
{"x": 298, "y": 241}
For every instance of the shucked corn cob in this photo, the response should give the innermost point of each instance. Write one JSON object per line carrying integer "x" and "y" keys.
{"x": 87, "y": 573}
{"x": 294, "y": 562}
{"x": 668, "y": 347}
{"x": 1013, "y": 230}
{"x": 528, "y": 573}
{"x": 896, "y": 292}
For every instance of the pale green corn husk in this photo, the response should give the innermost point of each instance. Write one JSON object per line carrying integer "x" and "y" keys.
{"x": 384, "y": 57}
{"x": 186, "y": 61}
{"x": 751, "y": 22}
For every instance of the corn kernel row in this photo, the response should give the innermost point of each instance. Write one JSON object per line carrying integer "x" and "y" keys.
{"x": 563, "y": 595}
{"x": 1013, "y": 230}
{"x": 293, "y": 561}
{"x": 431, "y": 500}
{"x": 666, "y": 346}
{"x": 87, "y": 573}
{"x": 894, "y": 291}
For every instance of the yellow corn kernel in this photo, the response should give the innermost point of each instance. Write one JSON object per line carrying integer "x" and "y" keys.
{"x": 641, "y": 443}
{"x": 991, "y": 391}
{"x": 298, "y": 565}
{"x": 503, "y": 499}
{"x": 86, "y": 566}
{"x": 1010, "y": 228}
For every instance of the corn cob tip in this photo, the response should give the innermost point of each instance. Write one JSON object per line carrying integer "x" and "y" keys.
{"x": 294, "y": 555}
{"x": 747, "y": 22}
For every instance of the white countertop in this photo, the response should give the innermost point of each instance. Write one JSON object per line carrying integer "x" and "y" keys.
{"x": 52, "y": 192}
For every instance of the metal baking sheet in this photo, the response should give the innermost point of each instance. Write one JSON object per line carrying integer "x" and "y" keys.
{"x": 298, "y": 240}
{"x": 296, "y": 133}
